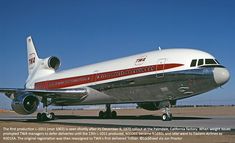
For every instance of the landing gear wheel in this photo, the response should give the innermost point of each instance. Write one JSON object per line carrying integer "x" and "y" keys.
{"x": 166, "y": 117}
{"x": 101, "y": 114}
{"x": 114, "y": 114}
{"x": 39, "y": 116}
{"x": 107, "y": 115}
{"x": 44, "y": 117}
{"x": 52, "y": 116}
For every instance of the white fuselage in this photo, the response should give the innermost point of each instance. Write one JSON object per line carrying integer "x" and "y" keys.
{"x": 171, "y": 56}
{"x": 151, "y": 76}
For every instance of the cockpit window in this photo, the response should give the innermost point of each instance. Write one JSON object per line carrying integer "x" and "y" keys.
{"x": 217, "y": 61}
{"x": 200, "y": 62}
{"x": 204, "y": 62}
{"x": 193, "y": 63}
{"x": 210, "y": 62}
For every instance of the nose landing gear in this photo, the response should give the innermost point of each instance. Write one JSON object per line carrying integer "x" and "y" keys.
{"x": 167, "y": 115}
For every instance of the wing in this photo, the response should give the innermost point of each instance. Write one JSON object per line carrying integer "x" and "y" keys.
{"x": 58, "y": 93}
{"x": 10, "y": 92}
{"x": 78, "y": 96}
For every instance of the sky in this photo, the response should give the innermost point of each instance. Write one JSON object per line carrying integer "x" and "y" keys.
{"x": 82, "y": 32}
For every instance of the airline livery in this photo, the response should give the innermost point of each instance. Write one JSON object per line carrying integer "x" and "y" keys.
{"x": 154, "y": 80}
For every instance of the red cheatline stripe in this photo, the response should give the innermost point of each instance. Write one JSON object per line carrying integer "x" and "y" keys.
{"x": 78, "y": 80}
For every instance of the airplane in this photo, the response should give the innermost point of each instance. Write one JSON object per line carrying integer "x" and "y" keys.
{"x": 153, "y": 80}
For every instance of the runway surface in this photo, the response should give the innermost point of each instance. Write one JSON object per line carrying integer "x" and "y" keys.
{"x": 134, "y": 121}
{"x": 200, "y": 124}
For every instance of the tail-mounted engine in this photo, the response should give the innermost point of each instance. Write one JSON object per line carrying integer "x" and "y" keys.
{"x": 42, "y": 68}
{"x": 37, "y": 67}
{"x": 51, "y": 63}
{"x": 25, "y": 104}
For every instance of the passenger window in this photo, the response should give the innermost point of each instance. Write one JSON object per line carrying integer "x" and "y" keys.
{"x": 210, "y": 62}
{"x": 193, "y": 63}
{"x": 200, "y": 62}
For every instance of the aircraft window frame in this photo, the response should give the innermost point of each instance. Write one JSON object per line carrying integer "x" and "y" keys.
{"x": 210, "y": 62}
{"x": 217, "y": 61}
{"x": 200, "y": 62}
{"x": 193, "y": 63}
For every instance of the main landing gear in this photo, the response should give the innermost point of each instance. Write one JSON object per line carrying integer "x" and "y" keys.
{"x": 108, "y": 114}
{"x": 167, "y": 115}
{"x": 45, "y": 116}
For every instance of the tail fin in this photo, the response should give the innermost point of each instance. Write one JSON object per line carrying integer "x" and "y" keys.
{"x": 32, "y": 56}
{"x": 38, "y": 68}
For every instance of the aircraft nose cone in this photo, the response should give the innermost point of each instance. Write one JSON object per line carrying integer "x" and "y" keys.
{"x": 221, "y": 75}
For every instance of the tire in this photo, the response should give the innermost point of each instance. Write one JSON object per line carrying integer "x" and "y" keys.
{"x": 101, "y": 114}
{"x": 165, "y": 117}
{"x": 39, "y": 115}
{"x": 107, "y": 115}
{"x": 44, "y": 117}
{"x": 114, "y": 114}
{"x": 52, "y": 116}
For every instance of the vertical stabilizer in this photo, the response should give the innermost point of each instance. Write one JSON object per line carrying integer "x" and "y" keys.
{"x": 32, "y": 55}
{"x": 38, "y": 68}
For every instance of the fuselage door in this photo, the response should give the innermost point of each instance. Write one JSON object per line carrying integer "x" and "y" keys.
{"x": 95, "y": 77}
{"x": 160, "y": 67}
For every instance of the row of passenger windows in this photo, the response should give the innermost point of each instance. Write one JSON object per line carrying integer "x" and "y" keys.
{"x": 200, "y": 62}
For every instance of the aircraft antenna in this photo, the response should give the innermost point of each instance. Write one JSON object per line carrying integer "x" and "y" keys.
{"x": 159, "y": 48}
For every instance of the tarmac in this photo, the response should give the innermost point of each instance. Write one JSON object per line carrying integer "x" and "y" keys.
{"x": 191, "y": 124}
{"x": 195, "y": 122}
{"x": 125, "y": 120}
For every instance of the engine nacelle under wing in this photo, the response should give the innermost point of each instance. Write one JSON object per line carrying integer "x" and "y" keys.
{"x": 25, "y": 103}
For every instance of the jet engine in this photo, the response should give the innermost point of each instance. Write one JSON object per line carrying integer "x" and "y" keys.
{"x": 51, "y": 63}
{"x": 25, "y": 104}
{"x": 152, "y": 106}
